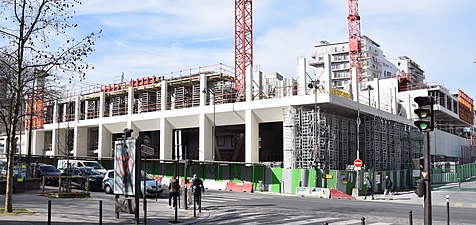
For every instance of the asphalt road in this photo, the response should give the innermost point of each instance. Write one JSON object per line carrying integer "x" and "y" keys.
{"x": 220, "y": 207}
{"x": 260, "y": 208}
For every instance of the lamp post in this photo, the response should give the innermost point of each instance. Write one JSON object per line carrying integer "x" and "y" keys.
{"x": 315, "y": 84}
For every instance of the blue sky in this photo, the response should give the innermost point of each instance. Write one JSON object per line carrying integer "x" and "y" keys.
{"x": 160, "y": 36}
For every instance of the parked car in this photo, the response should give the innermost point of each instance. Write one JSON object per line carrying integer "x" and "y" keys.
{"x": 50, "y": 172}
{"x": 63, "y": 164}
{"x": 151, "y": 190}
{"x": 77, "y": 178}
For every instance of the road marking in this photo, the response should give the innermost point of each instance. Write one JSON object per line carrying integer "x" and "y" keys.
{"x": 347, "y": 222}
{"x": 380, "y": 223}
{"x": 242, "y": 218}
{"x": 311, "y": 221}
{"x": 458, "y": 204}
{"x": 473, "y": 205}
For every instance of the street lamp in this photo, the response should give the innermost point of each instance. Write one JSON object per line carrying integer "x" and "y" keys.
{"x": 210, "y": 91}
{"x": 315, "y": 85}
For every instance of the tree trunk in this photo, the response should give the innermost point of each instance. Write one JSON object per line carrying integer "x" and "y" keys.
{"x": 9, "y": 187}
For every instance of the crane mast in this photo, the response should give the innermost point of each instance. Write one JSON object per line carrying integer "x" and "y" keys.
{"x": 243, "y": 42}
{"x": 355, "y": 51}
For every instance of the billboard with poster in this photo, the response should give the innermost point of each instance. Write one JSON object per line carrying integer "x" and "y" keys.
{"x": 124, "y": 167}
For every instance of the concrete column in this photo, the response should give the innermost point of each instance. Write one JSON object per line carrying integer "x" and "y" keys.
{"x": 258, "y": 83}
{"x": 130, "y": 100}
{"x": 105, "y": 142}
{"x": 377, "y": 93}
{"x": 327, "y": 76}
{"x": 102, "y": 104}
{"x": 58, "y": 142}
{"x": 80, "y": 145}
{"x": 355, "y": 85}
{"x": 163, "y": 94}
{"x": 166, "y": 134}
{"x": 251, "y": 137}
{"x": 203, "y": 86}
{"x": 302, "y": 76}
{"x": 55, "y": 112}
{"x": 249, "y": 83}
{"x": 77, "y": 106}
{"x": 205, "y": 138}
{"x": 38, "y": 142}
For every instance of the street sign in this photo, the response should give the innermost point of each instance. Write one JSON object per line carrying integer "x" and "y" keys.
{"x": 147, "y": 150}
{"x": 424, "y": 175}
{"x": 358, "y": 163}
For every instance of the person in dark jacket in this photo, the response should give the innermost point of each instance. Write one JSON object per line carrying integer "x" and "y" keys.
{"x": 368, "y": 184}
{"x": 388, "y": 187}
{"x": 198, "y": 189}
{"x": 174, "y": 189}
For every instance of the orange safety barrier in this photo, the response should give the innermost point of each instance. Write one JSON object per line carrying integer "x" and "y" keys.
{"x": 340, "y": 195}
{"x": 237, "y": 187}
{"x": 248, "y": 187}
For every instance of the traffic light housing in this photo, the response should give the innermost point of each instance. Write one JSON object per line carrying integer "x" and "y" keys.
{"x": 127, "y": 133}
{"x": 420, "y": 188}
{"x": 426, "y": 117}
{"x": 422, "y": 163}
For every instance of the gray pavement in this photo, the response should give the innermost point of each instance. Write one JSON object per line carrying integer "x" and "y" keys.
{"x": 466, "y": 199}
{"x": 86, "y": 211}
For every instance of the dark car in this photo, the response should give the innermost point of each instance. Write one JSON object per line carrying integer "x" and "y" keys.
{"x": 50, "y": 172}
{"x": 80, "y": 176}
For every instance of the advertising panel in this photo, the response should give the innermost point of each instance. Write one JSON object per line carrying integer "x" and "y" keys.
{"x": 124, "y": 167}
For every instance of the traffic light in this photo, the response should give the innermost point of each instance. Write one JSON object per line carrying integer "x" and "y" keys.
{"x": 420, "y": 188}
{"x": 425, "y": 114}
{"x": 422, "y": 163}
{"x": 127, "y": 132}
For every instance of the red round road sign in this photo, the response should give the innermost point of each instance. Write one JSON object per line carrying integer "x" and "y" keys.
{"x": 358, "y": 163}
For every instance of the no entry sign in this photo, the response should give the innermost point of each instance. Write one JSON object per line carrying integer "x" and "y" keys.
{"x": 358, "y": 163}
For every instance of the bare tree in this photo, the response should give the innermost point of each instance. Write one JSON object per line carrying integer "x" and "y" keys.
{"x": 37, "y": 45}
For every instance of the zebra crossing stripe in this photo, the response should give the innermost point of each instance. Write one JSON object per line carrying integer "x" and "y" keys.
{"x": 311, "y": 221}
{"x": 347, "y": 222}
{"x": 380, "y": 223}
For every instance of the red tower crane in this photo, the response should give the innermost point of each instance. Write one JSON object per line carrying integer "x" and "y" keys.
{"x": 355, "y": 51}
{"x": 243, "y": 41}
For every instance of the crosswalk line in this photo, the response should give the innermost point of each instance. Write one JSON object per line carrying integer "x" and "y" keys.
{"x": 347, "y": 222}
{"x": 380, "y": 223}
{"x": 311, "y": 221}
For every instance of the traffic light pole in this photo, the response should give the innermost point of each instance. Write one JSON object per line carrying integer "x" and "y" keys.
{"x": 427, "y": 179}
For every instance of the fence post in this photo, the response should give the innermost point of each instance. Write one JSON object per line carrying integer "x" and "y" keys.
{"x": 49, "y": 212}
{"x": 410, "y": 217}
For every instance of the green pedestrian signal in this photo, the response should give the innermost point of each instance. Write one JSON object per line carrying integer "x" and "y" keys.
{"x": 426, "y": 117}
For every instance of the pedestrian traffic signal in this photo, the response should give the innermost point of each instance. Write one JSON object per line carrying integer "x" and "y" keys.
{"x": 425, "y": 114}
{"x": 420, "y": 188}
{"x": 422, "y": 163}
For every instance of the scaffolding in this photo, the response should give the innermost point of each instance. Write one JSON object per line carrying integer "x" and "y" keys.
{"x": 315, "y": 137}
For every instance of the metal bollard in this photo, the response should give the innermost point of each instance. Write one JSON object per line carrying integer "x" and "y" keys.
{"x": 362, "y": 221}
{"x": 156, "y": 190}
{"x": 49, "y": 212}
{"x": 194, "y": 206}
{"x": 100, "y": 212}
{"x": 410, "y": 217}
{"x": 447, "y": 209}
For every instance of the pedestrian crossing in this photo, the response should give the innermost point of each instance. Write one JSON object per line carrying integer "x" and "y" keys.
{"x": 226, "y": 197}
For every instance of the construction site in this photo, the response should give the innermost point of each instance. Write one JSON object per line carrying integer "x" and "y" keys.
{"x": 223, "y": 115}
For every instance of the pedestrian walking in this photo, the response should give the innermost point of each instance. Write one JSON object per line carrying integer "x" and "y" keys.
{"x": 368, "y": 184}
{"x": 174, "y": 188}
{"x": 388, "y": 187}
{"x": 198, "y": 189}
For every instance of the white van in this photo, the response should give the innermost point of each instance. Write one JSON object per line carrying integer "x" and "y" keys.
{"x": 63, "y": 164}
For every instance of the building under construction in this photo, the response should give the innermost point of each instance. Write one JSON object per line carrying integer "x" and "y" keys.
{"x": 277, "y": 120}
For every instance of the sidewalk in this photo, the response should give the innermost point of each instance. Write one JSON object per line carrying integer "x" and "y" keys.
{"x": 78, "y": 211}
{"x": 466, "y": 199}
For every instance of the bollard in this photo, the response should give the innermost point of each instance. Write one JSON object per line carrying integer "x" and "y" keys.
{"x": 194, "y": 206}
{"x": 156, "y": 190}
{"x": 145, "y": 211}
{"x": 200, "y": 202}
{"x": 447, "y": 209}
{"x": 363, "y": 221}
{"x": 325, "y": 223}
{"x": 49, "y": 212}
{"x": 410, "y": 217}
{"x": 100, "y": 212}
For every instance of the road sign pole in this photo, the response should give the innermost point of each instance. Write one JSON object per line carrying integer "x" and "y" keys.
{"x": 427, "y": 168}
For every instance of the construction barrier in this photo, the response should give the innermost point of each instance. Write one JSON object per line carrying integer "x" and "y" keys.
{"x": 340, "y": 195}
{"x": 248, "y": 187}
{"x": 236, "y": 187}
{"x": 313, "y": 192}
{"x": 215, "y": 185}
